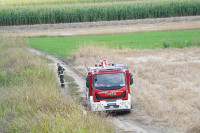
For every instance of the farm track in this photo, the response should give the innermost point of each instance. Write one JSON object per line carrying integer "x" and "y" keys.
{"x": 120, "y": 121}
{"x": 137, "y": 121}
{"x": 104, "y": 27}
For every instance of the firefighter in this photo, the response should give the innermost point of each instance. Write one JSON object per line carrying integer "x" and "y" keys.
{"x": 61, "y": 74}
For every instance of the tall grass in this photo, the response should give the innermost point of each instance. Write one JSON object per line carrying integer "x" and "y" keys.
{"x": 31, "y": 100}
{"x": 97, "y": 12}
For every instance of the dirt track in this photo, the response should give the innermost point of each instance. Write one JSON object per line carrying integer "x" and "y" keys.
{"x": 105, "y": 27}
{"x": 118, "y": 121}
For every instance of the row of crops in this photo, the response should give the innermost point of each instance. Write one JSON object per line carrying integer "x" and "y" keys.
{"x": 49, "y": 2}
{"x": 97, "y": 12}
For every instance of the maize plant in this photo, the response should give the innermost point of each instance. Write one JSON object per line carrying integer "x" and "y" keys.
{"x": 27, "y": 15}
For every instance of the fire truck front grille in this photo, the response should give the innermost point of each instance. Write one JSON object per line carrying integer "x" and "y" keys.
{"x": 115, "y": 97}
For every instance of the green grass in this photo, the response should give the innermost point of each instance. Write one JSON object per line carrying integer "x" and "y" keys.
{"x": 64, "y": 46}
{"x": 27, "y": 15}
{"x": 72, "y": 86}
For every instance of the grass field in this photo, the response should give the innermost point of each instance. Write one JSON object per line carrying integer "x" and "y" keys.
{"x": 32, "y": 101}
{"x": 64, "y": 46}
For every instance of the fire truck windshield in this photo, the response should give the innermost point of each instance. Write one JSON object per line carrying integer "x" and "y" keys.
{"x": 109, "y": 81}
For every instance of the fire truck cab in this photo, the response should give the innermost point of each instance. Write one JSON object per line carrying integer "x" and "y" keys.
{"x": 108, "y": 87}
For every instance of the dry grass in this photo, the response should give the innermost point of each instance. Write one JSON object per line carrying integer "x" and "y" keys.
{"x": 166, "y": 89}
{"x": 30, "y": 99}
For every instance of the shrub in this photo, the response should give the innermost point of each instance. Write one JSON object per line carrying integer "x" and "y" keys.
{"x": 165, "y": 44}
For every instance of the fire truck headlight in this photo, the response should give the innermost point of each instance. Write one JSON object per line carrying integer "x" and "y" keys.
{"x": 127, "y": 103}
{"x": 124, "y": 103}
{"x": 96, "y": 106}
{"x": 99, "y": 106}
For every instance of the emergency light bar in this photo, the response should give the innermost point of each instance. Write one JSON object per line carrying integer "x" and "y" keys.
{"x": 110, "y": 69}
{"x": 104, "y": 66}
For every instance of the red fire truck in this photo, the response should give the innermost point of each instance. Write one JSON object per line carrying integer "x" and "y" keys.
{"x": 108, "y": 87}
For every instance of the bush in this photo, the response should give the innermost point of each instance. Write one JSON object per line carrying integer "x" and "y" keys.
{"x": 165, "y": 44}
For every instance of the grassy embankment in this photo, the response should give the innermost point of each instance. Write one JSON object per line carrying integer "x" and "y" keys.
{"x": 66, "y": 13}
{"x": 64, "y": 46}
{"x": 31, "y": 100}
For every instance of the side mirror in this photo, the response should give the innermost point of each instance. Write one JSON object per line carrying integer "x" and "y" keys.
{"x": 131, "y": 78}
{"x": 87, "y": 81}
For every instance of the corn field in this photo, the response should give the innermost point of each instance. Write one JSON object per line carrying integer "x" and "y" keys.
{"x": 27, "y": 15}
{"x": 48, "y": 2}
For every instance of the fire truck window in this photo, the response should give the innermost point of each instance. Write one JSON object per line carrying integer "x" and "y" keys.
{"x": 109, "y": 80}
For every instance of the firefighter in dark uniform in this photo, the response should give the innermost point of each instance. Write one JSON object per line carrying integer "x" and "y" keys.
{"x": 61, "y": 74}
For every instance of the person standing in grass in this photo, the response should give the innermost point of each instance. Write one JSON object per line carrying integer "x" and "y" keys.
{"x": 61, "y": 74}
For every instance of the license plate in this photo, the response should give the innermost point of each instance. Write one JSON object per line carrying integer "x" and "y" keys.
{"x": 111, "y": 104}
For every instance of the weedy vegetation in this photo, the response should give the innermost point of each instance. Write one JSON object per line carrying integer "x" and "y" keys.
{"x": 31, "y": 100}
{"x": 27, "y": 15}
